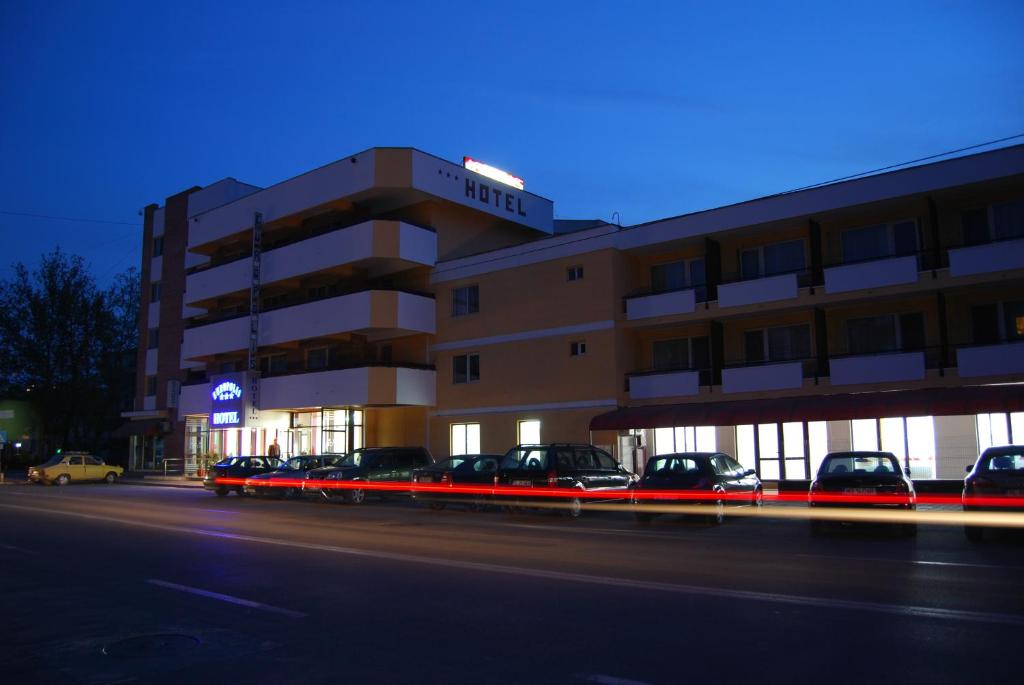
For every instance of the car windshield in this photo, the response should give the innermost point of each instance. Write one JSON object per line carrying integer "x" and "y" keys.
{"x": 53, "y": 461}
{"x": 453, "y": 463}
{"x": 1004, "y": 462}
{"x": 529, "y": 458}
{"x": 672, "y": 466}
{"x": 353, "y": 459}
{"x": 860, "y": 464}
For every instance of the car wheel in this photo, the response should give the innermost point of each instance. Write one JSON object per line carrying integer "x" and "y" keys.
{"x": 290, "y": 493}
{"x": 221, "y": 491}
{"x": 110, "y": 478}
{"x": 575, "y": 508}
{"x": 974, "y": 533}
{"x": 240, "y": 491}
{"x": 63, "y": 479}
{"x": 643, "y": 516}
{"x": 355, "y": 496}
{"x": 437, "y": 506}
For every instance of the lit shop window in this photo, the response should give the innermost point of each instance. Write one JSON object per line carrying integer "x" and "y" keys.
{"x": 784, "y": 456}
{"x": 1000, "y": 429}
{"x": 684, "y": 439}
{"x": 465, "y": 439}
{"x": 529, "y": 432}
{"x": 911, "y": 439}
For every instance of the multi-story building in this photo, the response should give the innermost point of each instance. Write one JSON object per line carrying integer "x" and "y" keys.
{"x": 392, "y": 297}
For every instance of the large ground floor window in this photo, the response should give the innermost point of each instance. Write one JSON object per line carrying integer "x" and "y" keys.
{"x": 910, "y": 438}
{"x": 529, "y": 432}
{"x": 776, "y": 451}
{"x": 1000, "y": 429}
{"x": 684, "y": 439}
{"x": 465, "y": 439}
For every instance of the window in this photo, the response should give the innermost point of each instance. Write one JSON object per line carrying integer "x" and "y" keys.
{"x": 1000, "y": 221}
{"x": 154, "y": 292}
{"x": 226, "y": 367}
{"x": 574, "y": 273}
{"x": 911, "y": 439}
{"x": 316, "y": 358}
{"x": 153, "y": 338}
{"x": 150, "y": 386}
{"x": 465, "y": 368}
{"x": 769, "y": 260}
{"x": 681, "y": 353}
{"x": 274, "y": 364}
{"x": 577, "y": 349}
{"x": 158, "y": 246}
{"x": 529, "y": 432}
{"x": 879, "y": 242}
{"x": 887, "y": 333}
{"x": 680, "y": 275}
{"x": 999, "y": 429}
{"x": 684, "y": 439}
{"x": 466, "y": 300}
{"x": 781, "y": 343}
{"x": 997, "y": 322}
{"x": 465, "y": 438}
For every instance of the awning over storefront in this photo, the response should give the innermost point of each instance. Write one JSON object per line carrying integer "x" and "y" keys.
{"x": 142, "y": 427}
{"x": 963, "y": 401}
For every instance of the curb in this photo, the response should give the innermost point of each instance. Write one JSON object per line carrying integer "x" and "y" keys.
{"x": 160, "y": 484}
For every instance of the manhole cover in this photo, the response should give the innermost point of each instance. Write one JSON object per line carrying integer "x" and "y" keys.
{"x": 161, "y": 644}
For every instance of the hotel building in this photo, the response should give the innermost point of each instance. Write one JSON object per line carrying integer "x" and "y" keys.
{"x": 392, "y": 297}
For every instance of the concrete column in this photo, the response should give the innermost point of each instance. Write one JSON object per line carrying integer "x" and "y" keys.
{"x": 956, "y": 445}
{"x": 840, "y": 436}
{"x": 725, "y": 440}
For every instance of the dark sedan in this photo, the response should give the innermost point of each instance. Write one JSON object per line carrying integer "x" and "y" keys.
{"x": 369, "y": 465}
{"x": 994, "y": 483}
{"x": 288, "y": 480}
{"x": 236, "y": 470}
{"x": 862, "y": 479}
{"x": 707, "y": 478}
{"x": 466, "y": 469}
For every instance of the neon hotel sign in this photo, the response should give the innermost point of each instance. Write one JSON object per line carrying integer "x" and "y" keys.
{"x": 488, "y": 194}
{"x": 227, "y": 392}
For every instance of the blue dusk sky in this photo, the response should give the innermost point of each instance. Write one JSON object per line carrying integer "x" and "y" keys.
{"x": 642, "y": 108}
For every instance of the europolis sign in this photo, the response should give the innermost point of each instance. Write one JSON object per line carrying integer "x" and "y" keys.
{"x": 228, "y": 401}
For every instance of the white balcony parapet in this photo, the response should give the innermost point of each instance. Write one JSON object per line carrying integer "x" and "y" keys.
{"x": 363, "y": 386}
{"x": 153, "y": 315}
{"x": 156, "y": 268}
{"x": 877, "y": 368}
{"x": 661, "y": 304}
{"x": 769, "y": 289}
{"x": 781, "y": 376}
{"x": 377, "y": 313}
{"x": 669, "y": 384}
{"x": 395, "y": 244}
{"x": 990, "y": 360}
{"x": 875, "y": 274}
{"x": 985, "y": 259}
{"x": 151, "y": 358}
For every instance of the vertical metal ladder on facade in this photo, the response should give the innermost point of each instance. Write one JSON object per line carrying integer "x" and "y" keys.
{"x": 254, "y": 319}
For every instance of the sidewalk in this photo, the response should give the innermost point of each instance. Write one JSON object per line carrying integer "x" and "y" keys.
{"x": 161, "y": 481}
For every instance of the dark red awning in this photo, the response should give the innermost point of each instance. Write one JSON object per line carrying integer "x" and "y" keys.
{"x": 963, "y": 401}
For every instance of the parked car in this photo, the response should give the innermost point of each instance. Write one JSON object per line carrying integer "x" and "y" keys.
{"x": 862, "y": 479}
{"x": 237, "y": 468}
{"x": 68, "y": 467}
{"x": 371, "y": 465}
{"x": 466, "y": 469}
{"x": 711, "y": 473}
{"x": 572, "y": 467}
{"x": 294, "y": 471}
{"x": 998, "y": 474}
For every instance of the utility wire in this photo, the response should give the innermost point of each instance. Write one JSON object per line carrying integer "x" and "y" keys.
{"x": 69, "y": 218}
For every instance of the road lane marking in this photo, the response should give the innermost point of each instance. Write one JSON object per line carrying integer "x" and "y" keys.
{"x": 221, "y": 511}
{"x": 226, "y": 598}
{"x": 919, "y": 562}
{"x": 18, "y": 549}
{"x": 577, "y": 578}
{"x": 602, "y": 679}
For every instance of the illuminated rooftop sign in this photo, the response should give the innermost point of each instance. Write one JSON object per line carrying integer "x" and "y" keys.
{"x": 226, "y": 391}
{"x": 492, "y": 172}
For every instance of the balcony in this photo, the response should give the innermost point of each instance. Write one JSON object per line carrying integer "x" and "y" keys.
{"x": 650, "y": 385}
{"x": 762, "y": 377}
{"x": 755, "y": 291}
{"x": 991, "y": 360}
{"x": 381, "y": 246}
{"x": 988, "y": 258}
{"x": 661, "y": 304}
{"x": 377, "y": 313}
{"x": 361, "y": 386}
{"x": 877, "y": 368}
{"x": 879, "y": 273}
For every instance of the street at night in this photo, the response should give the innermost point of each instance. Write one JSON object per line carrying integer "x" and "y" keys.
{"x": 125, "y": 583}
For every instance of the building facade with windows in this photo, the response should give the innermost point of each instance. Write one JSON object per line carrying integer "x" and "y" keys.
{"x": 395, "y": 298}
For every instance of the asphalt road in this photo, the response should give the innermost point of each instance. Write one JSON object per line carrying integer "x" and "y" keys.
{"x": 131, "y": 584}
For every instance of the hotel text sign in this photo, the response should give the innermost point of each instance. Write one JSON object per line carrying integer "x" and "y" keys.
{"x": 228, "y": 401}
